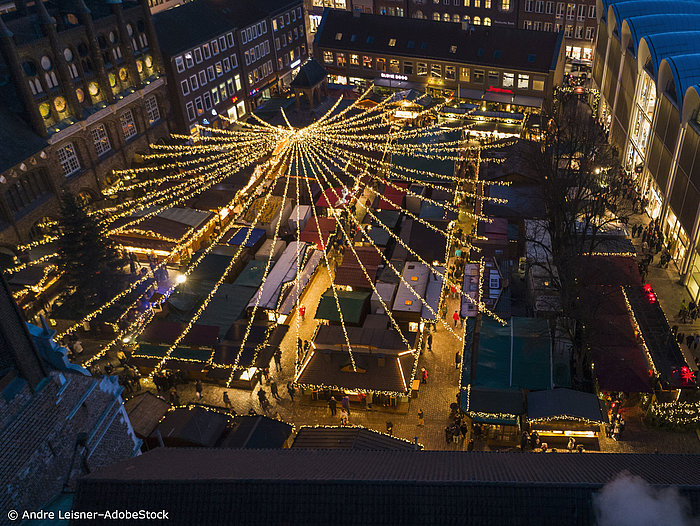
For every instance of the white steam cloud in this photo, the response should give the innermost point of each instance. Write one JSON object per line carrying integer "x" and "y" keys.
{"x": 629, "y": 500}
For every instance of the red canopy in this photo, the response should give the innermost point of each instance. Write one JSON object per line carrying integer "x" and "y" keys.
{"x": 392, "y": 198}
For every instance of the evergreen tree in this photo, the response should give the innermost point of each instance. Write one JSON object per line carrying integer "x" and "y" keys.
{"x": 88, "y": 258}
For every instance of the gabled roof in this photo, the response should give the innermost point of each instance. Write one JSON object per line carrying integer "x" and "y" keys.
{"x": 145, "y": 411}
{"x": 355, "y": 437}
{"x": 192, "y": 426}
{"x": 256, "y": 432}
{"x": 310, "y": 74}
{"x": 556, "y": 403}
{"x": 353, "y": 304}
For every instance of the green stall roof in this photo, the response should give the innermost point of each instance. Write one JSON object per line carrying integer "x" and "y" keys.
{"x": 252, "y": 274}
{"x": 404, "y": 163}
{"x": 515, "y": 356}
{"x": 353, "y": 304}
{"x": 158, "y": 351}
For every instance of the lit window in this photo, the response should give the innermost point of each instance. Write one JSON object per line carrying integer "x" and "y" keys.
{"x": 392, "y": 42}
{"x": 338, "y": 36}
{"x": 523, "y": 81}
{"x": 128, "y": 124}
{"x": 152, "y": 110}
{"x": 68, "y": 159}
{"x": 328, "y": 57}
{"x": 508, "y": 80}
{"x": 100, "y": 139}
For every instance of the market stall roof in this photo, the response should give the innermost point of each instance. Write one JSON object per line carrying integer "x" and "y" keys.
{"x": 373, "y": 234}
{"x": 427, "y": 243}
{"x": 416, "y": 167}
{"x": 147, "y": 351}
{"x": 145, "y": 410}
{"x": 353, "y": 304}
{"x": 210, "y": 268}
{"x": 514, "y": 356}
{"x": 620, "y": 369}
{"x": 665, "y": 353}
{"x": 415, "y": 275}
{"x": 562, "y": 403}
{"x": 334, "y": 369}
{"x": 256, "y": 236}
{"x": 256, "y": 432}
{"x": 361, "y": 339}
{"x": 310, "y": 234}
{"x": 334, "y": 198}
{"x": 388, "y": 218}
{"x": 192, "y": 426}
{"x": 343, "y": 437}
{"x": 355, "y": 277}
{"x": 433, "y": 292}
{"x": 367, "y": 256}
{"x": 226, "y": 306}
{"x": 393, "y": 197}
{"x": 386, "y": 291}
{"x": 291, "y": 295}
{"x": 493, "y": 401}
{"x": 188, "y": 216}
{"x": 252, "y": 274}
{"x": 284, "y": 271}
{"x": 213, "y": 198}
{"x": 166, "y": 332}
{"x": 607, "y": 270}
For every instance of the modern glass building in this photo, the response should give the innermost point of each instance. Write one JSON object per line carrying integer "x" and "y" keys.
{"x": 647, "y": 68}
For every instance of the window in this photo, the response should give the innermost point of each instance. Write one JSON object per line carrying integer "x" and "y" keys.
{"x": 422, "y": 69}
{"x": 338, "y": 36}
{"x": 493, "y": 78}
{"x": 179, "y": 64}
{"x": 591, "y": 11}
{"x": 128, "y": 125}
{"x": 152, "y": 110}
{"x": 537, "y": 25}
{"x": 202, "y": 78}
{"x": 234, "y": 61}
{"x": 227, "y": 64}
{"x": 570, "y": 11}
{"x": 394, "y": 66}
{"x": 340, "y": 59}
{"x": 206, "y": 51}
{"x": 590, "y": 33}
{"x": 579, "y": 32}
{"x": 436, "y": 17}
{"x": 188, "y": 60}
{"x": 547, "y": 26}
{"x": 505, "y": 5}
{"x": 549, "y": 8}
{"x": 190, "y": 111}
{"x": 569, "y": 31}
{"x": 508, "y": 80}
{"x": 523, "y": 81}
{"x": 219, "y": 69}
{"x": 466, "y": 3}
{"x": 381, "y": 64}
{"x": 453, "y": 49}
{"x": 229, "y": 39}
{"x": 354, "y": 60}
{"x": 487, "y": 21}
{"x": 222, "y": 43}
{"x": 277, "y": 44}
{"x": 581, "y": 12}
{"x": 214, "y": 47}
{"x": 210, "y": 73}
{"x": 539, "y": 6}
{"x": 528, "y": 6}
{"x": 538, "y": 84}
{"x": 487, "y": 4}
{"x": 328, "y": 57}
{"x": 197, "y": 55}
{"x": 392, "y": 42}
{"x": 193, "y": 83}
{"x": 408, "y": 68}
{"x": 239, "y": 84}
{"x": 436, "y": 71}
{"x": 446, "y": 17}
{"x": 185, "y": 87}
{"x": 464, "y": 74}
{"x": 100, "y": 139}
{"x": 477, "y": 3}
{"x": 450, "y": 73}
{"x": 560, "y": 9}
{"x": 231, "y": 89}
{"x": 527, "y": 24}
{"x": 68, "y": 159}
{"x": 479, "y": 76}
{"x": 198, "y": 105}
{"x": 366, "y": 61}
{"x": 222, "y": 89}
{"x": 477, "y": 20}
{"x": 207, "y": 101}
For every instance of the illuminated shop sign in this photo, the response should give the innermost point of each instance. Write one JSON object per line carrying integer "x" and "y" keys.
{"x": 393, "y": 76}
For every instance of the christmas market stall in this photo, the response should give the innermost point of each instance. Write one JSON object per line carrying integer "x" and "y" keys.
{"x": 145, "y": 410}
{"x": 506, "y": 361}
{"x": 386, "y": 292}
{"x": 275, "y": 209}
{"x": 349, "y": 437}
{"x": 375, "y": 371}
{"x": 354, "y": 306}
{"x": 359, "y": 264}
{"x": 433, "y": 297}
{"x": 561, "y": 414}
{"x": 238, "y": 237}
{"x": 293, "y": 291}
{"x": 410, "y": 296}
{"x": 327, "y": 227}
{"x": 393, "y": 197}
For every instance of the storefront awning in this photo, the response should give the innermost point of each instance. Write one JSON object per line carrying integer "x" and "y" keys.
{"x": 475, "y": 94}
{"x": 532, "y": 102}
{"x": 505, "y": 98}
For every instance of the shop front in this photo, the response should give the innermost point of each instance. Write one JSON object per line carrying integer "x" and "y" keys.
{"x": 676, "y": 237}
{"x": 652, "y": 194}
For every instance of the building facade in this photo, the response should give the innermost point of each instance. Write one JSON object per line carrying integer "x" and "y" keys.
{"x": 226, "y": 59}
{"x": 86, "y": 92}
{"x": 576, "y": 20}
{"x": 504, "y": 65}
{"x": 646, "y": 64}
{"x": 476, "y": 12}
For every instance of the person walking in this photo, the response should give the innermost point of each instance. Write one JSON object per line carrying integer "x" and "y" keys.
{"x": 389, "y": 427}
{"x": 273, "y": 389}
{"x": 421, "y": 421}
{"x": 262, "y": 398}
{"x": 524, "y": 440}
{"x": 455, "y": 317}
{"x": 333, "y": 404}
{"x": 571, "y": 445}
{"x": 682, "y": 311}
{"x": 302, "y": 311}
{"x": 227, "y": 400}
{"x": 198, "y": 388}
{"x": 291, "y": 390}
{"x": 344, "y": 418}
{"x": 278, "y": 360}
{"x": 430, "y": 342}
{"x": 174, "y": 397}
{"x": 345, "y": 402}
{"x": 424, "y": 376}
{"x": 458, "y": 360}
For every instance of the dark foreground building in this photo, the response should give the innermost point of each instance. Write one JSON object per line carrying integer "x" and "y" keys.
{"x": 302, "y": 487}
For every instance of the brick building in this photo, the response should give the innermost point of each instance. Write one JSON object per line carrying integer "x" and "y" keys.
{"x": 57, "y": 421}
{"x": 85, "y": 92}
{"x": 476, "y": 12}
{"x": 225, "y": 58}
{"x": 576, "y": 19}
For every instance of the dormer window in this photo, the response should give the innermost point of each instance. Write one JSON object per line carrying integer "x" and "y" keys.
{"x": 338, "y": 36}
{"x": 453, "y": 49}
{"x": 392, "y": 42}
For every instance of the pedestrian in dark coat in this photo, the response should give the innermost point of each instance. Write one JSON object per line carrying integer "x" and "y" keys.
{"x": 345, "y": 402}
{"x": 198, "y": 388}
{"x": 278, "y": 360}
{"x": 333, "y": 404}
{"x": 227, "y": 400}
{"x": 273, "y": 389}
{"x": 458, "y": 360}
{"x": 291, "y": 390}
{"x": 430, "y": 342}
{"x": 524, "y": 440}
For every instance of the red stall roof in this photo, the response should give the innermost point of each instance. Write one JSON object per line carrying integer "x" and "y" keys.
{"x": 392, "y": 197}
{"x": 166, "y": 332}
{"x": 327, "y": 225}
{"x": 333, "y": 198}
